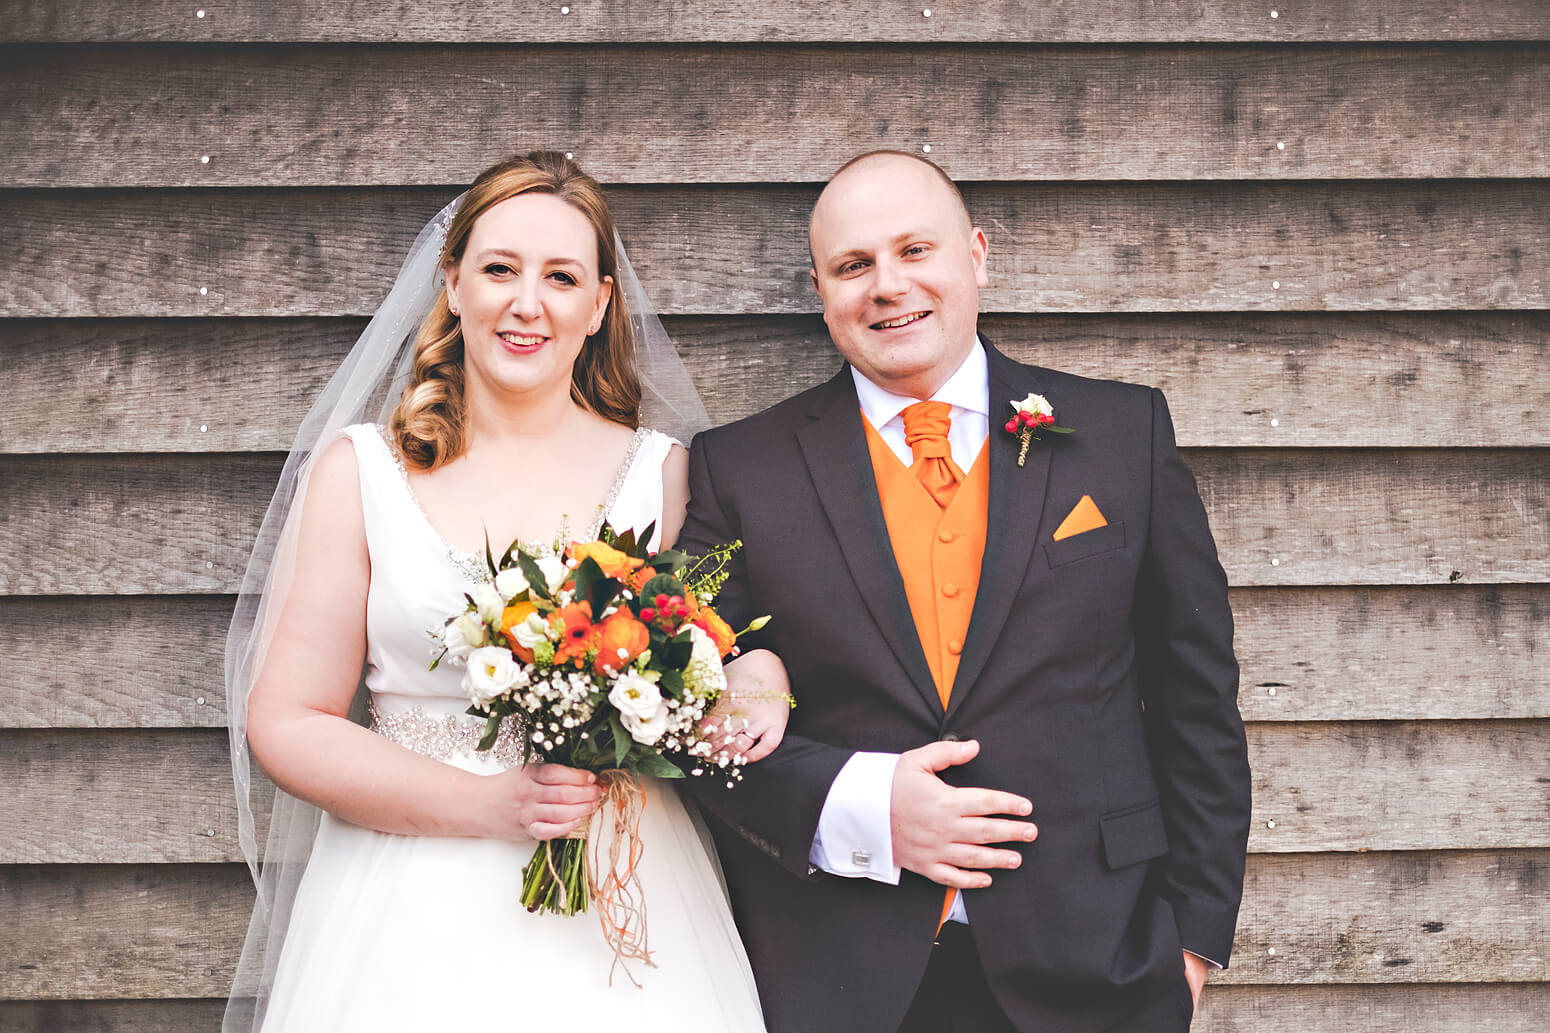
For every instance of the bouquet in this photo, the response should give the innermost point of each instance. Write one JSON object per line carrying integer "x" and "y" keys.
{"x": 611, "y": 659}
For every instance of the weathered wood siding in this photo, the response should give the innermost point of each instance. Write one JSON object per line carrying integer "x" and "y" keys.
{"x": 1323, "y": 228}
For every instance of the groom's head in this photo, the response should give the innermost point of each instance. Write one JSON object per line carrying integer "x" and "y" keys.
{"x": 898, "y": 265}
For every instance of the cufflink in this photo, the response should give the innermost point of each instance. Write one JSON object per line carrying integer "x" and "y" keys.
{"x": 860, "y": 858}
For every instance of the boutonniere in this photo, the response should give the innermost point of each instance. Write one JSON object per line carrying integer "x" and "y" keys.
{"x": 1031, "y": 416}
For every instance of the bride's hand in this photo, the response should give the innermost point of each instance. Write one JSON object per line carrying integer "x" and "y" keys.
{"x": 542, "y": 801}
{"x": 750, "y": 717}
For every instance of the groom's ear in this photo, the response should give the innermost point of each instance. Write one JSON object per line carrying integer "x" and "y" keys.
{"x": 812, "y": 274}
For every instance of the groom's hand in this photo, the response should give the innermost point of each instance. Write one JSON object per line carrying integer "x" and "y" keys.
{"x": 943, "y": 832}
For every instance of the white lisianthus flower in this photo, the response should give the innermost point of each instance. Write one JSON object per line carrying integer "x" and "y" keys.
{"x": 510, "y": 583}
{"x": 533, "y": 630}
{"x": 641, "y": 708}
{"x": 1038, "y": 405}
{"x": 489, "y": 602}
{"x": 492, "y": 671}
{"x": 553, "y": 570}
{"x": 462, "y": 636}
{"x": 704, "y": 676}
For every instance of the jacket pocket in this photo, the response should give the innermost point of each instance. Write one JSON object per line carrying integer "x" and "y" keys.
{"x": 1089, "y": 543}
{"x": 1133, "y": 835}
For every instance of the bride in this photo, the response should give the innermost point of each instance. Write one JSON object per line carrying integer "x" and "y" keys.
{"x": 521, "y": 341}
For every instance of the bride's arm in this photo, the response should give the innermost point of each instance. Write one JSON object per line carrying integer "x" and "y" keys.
{"x": 298, "y": 725}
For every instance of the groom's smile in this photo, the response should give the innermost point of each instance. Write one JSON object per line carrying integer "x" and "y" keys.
{"x": 901, "y": 321}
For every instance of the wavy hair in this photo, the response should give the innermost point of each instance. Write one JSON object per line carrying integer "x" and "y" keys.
{"x": 428, "y": 424}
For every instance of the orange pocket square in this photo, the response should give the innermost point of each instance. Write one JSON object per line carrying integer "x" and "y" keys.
{"x": 1083, "y": 517}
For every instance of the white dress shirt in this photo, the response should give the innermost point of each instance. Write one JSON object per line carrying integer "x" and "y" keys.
{"x": 854, "y": 836}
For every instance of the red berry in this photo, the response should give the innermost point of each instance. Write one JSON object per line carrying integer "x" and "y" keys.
{"x": 648, "y": 614}
{"x": 1011, "y": 425}
{"x": 662, "y": 601}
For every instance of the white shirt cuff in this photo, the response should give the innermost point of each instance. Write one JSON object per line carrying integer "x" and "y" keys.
{"x": 855, "y": 835}
{"x": 1202, "y": 957}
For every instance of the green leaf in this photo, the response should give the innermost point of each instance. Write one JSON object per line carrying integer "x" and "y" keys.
{"x": 661, "y": 584}
{"x": 622, "y": 740}
{"x": 535, "y": 577}
{"x": 669, "y": 561}
{"x": 492, "y": 728}
{"x": 654, "y": 764}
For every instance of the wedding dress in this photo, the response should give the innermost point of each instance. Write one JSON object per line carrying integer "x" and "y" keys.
{"x": 417, "y": 933}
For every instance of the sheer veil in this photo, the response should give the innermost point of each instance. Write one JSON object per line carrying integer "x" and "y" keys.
{"x": 365, "y": 387}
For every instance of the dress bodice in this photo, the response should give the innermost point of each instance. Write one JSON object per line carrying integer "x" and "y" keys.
{"x": 418, "y": 580}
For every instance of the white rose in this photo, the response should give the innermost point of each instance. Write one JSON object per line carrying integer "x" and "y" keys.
{"x": 704, "y": 675}
{"x": 641, "y": 708}
{"x": 510, "y": 583}
{"x": 489, "y": 602}
{"x": 1036, "y": 404}
{"x": 553, "y": 570}
{"x": 462, "y": 636}
{"x": 533, "y": 630}
{"x": 492, "y": 671}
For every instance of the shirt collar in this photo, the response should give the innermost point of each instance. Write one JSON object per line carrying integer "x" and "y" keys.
{"x": 968, "y": 388}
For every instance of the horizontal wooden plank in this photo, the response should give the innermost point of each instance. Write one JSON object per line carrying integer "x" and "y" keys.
{"x": 277, "y": 116}
{"x": 134, "y": 796}
{"x": 148, "y": 1016}
{"x": 1329, "y": 654}
{"x": 1270, "y": 379}
{"x": 157, "y": 525}
{"x": 731, "y": 250}
{"x": 1425, "y": 1008}
{"x": 1308, "y": 654}
{"x": 796, "y": 21}
{"x": 129, "y": 931}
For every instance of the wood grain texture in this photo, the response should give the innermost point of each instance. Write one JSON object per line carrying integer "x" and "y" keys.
{"x": 1326, "y": 379}
{"x": 145, "y": 796}
{"x": 1307, "y": 654}
{"x": 131, "y": 931}
{"x": 1360, "y": 654}
{"x": 795, "y": 21}
{"x": 731, "y": 250}
{"x": 159, "y": 525}
{"x": 390, "y": 115}
{"x": 1431, "y": 1008}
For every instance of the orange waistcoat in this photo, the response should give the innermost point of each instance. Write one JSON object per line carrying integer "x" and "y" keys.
{"x": 938, "y": 552}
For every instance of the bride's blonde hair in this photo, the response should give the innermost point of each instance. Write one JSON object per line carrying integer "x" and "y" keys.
{"x": 428, "y": 423}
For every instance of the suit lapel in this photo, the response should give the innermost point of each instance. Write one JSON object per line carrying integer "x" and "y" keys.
{"x": 1011, "y": 525}
{"x": 834, "y": 446}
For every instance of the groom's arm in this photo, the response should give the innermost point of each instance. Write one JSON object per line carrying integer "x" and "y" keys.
{"x": 777, "y": 805}
{"x": 1189, "y": 682}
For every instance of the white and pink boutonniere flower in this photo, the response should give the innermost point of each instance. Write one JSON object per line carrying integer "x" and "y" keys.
{"x": 1030, "y": 417}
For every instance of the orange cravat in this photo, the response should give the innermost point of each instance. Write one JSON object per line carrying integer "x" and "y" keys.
{"x": 925, "y": 431}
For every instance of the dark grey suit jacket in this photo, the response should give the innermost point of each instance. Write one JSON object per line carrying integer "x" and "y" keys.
{"x": 1098, "y": 676}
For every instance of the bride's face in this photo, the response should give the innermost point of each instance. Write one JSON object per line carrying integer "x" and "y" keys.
{"x": 528, "y": 293}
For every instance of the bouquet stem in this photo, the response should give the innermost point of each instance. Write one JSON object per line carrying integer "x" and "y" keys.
{"x": 555, "y": 880}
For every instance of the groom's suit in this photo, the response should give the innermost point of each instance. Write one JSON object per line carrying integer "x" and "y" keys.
{"x": 1097, "y": 675}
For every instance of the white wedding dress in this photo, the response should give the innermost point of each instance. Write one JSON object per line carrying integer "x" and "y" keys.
{"x": 414, "y": 933}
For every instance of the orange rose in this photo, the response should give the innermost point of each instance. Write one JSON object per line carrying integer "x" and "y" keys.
{"x": 620, "y": 633}
{"x": 611, "y": 561}
{"x": 720, "y": 632}
{"x": 577, "y": 632}
{"x": 511, "y": 616}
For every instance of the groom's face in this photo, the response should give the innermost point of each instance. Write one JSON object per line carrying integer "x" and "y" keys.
{"x": 898, "y": 268}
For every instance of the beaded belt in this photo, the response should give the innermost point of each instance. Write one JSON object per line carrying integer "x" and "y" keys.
{"x": 444, "y": 736}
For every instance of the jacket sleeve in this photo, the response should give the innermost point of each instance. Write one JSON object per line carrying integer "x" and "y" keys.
{"x": 1189, "y": 685}
{"x": 777, "y": 804}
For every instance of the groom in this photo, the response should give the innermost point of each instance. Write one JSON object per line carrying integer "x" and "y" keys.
{"x": 1014, "y": 794}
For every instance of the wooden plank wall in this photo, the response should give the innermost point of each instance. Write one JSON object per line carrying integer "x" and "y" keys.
{"x": 1321, "y": 226}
